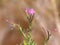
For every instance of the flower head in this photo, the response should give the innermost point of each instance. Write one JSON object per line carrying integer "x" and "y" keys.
{"x": 31, "y": 11}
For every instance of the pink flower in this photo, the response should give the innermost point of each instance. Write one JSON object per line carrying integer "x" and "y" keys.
{"x": 31, "y": 11}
